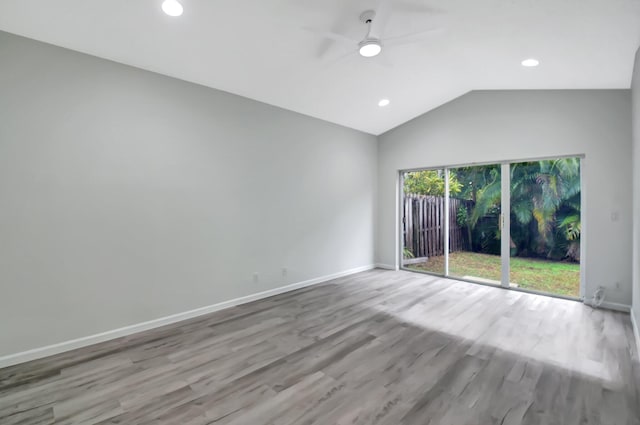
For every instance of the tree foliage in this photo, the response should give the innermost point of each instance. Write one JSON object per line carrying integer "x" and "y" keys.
{"x": 429, "y": 182}
{"x": 545, "y": 205}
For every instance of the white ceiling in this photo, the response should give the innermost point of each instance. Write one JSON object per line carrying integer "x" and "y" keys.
{"x": 259, "y": 49}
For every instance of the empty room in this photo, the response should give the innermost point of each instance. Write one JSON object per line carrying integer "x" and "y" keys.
{"x": 341, "y": 212}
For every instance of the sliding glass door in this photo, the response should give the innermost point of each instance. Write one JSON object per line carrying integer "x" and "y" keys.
{"x": 545, "y": 226}
{"x": 475, "y": 196}
{"x": 513, "y": 224}
{"x": 424, "y": 221}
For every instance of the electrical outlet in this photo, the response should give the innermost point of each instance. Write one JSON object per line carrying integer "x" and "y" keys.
{"x": 618, "y": 285}
{"x": 256, "y": 277}
{"x": 284, "y": 272}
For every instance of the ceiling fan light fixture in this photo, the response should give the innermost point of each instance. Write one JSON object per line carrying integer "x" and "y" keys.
{"x": 172, "y": 7}
{"x": 370, "y": 48}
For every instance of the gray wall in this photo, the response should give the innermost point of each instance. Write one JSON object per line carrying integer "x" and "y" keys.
{"x": 635, "y": 90}
{"x": 485, "y": 126}
{"x": 128, "y": 196}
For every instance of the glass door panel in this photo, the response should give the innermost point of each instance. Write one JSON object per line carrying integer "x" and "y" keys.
{"x": 545, "y": 226}
{"x": 475, "y": 207}
{"x": 423, "y": 221}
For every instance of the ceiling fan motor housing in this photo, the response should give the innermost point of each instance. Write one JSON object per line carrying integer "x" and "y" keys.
{"x": 367, "y": 16}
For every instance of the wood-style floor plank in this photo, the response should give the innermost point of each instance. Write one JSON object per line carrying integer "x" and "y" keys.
{"x": 379, "y": 347}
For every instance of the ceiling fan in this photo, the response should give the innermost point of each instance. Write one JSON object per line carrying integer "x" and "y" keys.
{"x": 373, "y": 42}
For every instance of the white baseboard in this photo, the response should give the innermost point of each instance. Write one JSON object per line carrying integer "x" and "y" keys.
{"x": 625, "y": 308}
{"x": 636, "y": 332}
{"x": 50, "y": 350}
{"x": 616, "y": 306}
{"x": 385, "y": 266}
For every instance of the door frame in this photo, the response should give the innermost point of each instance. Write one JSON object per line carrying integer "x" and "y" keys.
{"x": 505, "y": 222}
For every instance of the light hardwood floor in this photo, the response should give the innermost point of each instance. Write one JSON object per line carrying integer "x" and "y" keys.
{"x": 379, "y": 347}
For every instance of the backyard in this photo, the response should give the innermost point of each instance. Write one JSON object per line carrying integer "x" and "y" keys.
{"x": 562, "y": 278}
{"x": 543, "y": 207}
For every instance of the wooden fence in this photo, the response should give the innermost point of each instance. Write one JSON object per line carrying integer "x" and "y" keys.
{"x": 423, "y": 219}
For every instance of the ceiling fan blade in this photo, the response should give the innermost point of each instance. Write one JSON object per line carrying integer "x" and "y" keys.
{"x": 414, "y": 37}
{"x": 331, "y": 35}
{"x": 341, "y": 58}
{"x": 362, "y": 63}
{"x": 323, "y": 48}
{"x": 383, "y": 14}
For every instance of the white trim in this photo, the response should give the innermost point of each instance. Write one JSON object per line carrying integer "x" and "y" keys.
{"x": 505, "y": 224}
{"x": 496, "y": 162}
{"x": 625, "y": 308}
{"x": 447, "y": 216}
{"x": 584, "y": 226}
{"x": 50, "y": 350}
{"x": 399, "y": 239}
{"x": 385, "y": 266}
{"x": 636, "y": 332}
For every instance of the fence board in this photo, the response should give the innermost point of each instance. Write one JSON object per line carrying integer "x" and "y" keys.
{"x": 423, "y": 225}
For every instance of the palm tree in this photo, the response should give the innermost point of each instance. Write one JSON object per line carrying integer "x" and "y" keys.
{"x": 545, "y": 196}
{"x": 481, "y": 185}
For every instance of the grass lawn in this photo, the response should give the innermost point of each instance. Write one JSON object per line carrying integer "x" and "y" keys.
{"x": 555, "y": 277}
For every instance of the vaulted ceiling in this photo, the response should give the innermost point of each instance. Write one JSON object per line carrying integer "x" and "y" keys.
{"x": 275, "y": 51}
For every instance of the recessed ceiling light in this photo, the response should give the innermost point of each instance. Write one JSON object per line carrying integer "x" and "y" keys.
{"x": 531, "y": 62}
{"x": 370, "y": 48}
{"x": 383, "y": 102}
{"x": 172, "y": 7}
